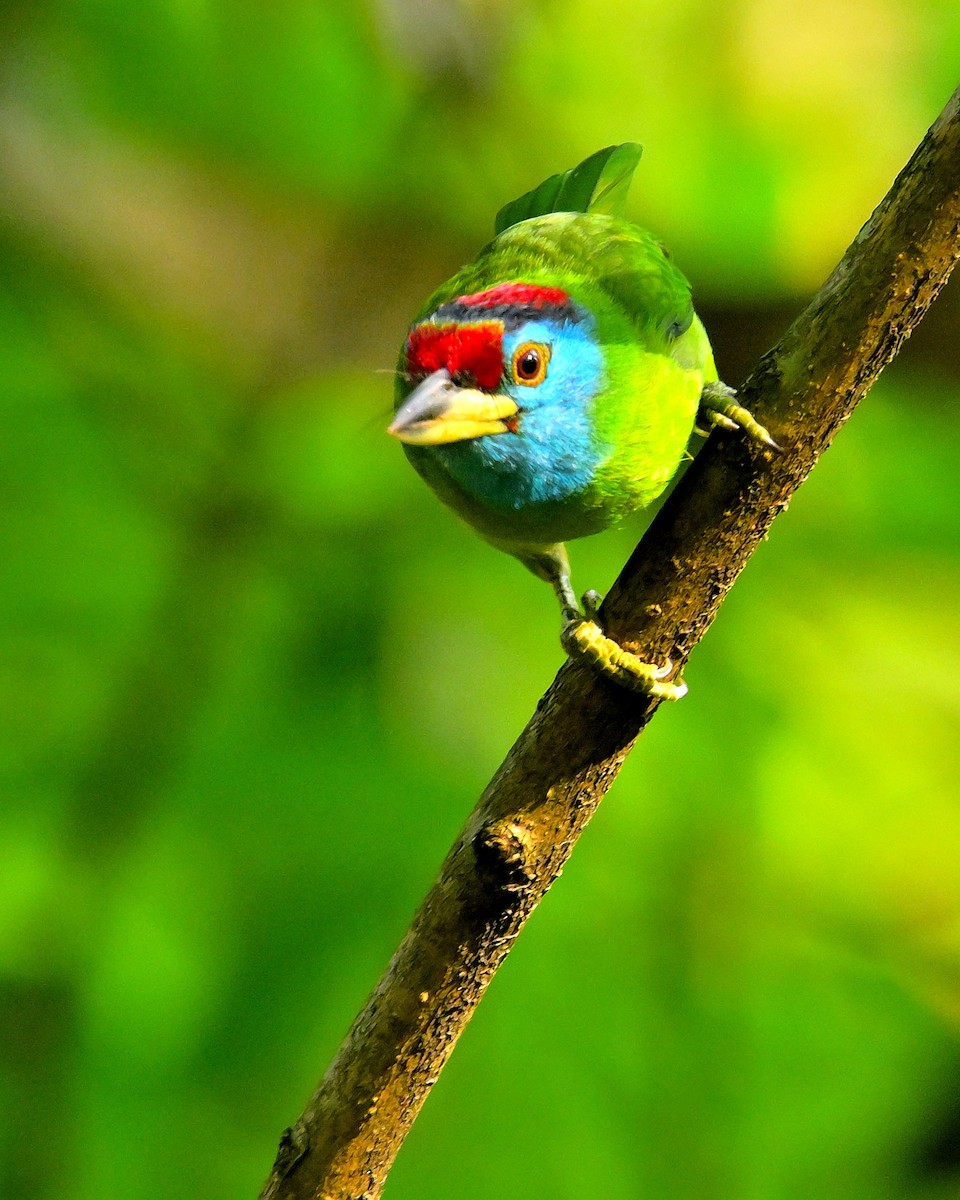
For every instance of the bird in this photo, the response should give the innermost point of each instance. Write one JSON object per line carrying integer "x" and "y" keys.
{"x": 550, "y": 388}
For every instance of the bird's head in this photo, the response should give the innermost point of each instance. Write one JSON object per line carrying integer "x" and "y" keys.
{"x": 498, "y": 387}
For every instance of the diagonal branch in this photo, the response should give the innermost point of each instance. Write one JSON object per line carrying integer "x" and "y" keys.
{"x": 531, "y": 814}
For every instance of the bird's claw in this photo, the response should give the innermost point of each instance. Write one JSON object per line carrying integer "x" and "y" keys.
{"x": 582, "y": 637}
{"x": 718, "y": 408}
{"x": 591, "y": 601}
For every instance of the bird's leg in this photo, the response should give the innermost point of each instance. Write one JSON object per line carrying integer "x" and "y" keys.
{"x": 718, "y": 407}
{"x": 582, "y": 637}
{"x": 567, "y": 597}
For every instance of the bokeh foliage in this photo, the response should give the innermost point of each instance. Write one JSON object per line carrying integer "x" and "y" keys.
{"x": 254, "y": 677}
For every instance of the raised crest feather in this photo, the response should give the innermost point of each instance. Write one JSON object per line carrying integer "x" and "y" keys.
{"x": 599, "y": 184}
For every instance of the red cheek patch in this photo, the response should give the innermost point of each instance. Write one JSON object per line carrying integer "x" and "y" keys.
{"x": 474, "y": 351}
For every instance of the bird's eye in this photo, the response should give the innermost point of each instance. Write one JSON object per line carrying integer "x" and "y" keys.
{"x": 530, "y": 363}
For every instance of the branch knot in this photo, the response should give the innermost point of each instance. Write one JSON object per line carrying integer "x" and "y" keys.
{"x": 502, "y": 853}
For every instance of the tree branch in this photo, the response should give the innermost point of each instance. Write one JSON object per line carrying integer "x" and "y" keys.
{"x": 531, "y": 814}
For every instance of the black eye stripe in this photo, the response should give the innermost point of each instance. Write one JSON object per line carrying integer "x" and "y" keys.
{"x": 512, "y": 315}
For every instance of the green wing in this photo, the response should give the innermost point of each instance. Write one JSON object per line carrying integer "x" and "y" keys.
{"x": 599, "y": 184}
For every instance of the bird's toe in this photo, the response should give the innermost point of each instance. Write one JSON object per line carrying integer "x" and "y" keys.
{"x": 719, "y": 408}
{"x": 582, "y": 638}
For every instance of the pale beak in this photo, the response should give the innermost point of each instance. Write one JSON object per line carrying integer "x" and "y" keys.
{"x": 438, "y": 411}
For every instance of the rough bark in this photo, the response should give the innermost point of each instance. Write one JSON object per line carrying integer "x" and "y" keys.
{"x": 531, "y": 814}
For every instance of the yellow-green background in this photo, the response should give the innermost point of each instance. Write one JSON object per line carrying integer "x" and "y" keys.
{"x": 254, "y": 676}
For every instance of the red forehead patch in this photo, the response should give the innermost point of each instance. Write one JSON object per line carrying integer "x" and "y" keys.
{"x": 474, "y": 351}
{"x": 517, "y": 293}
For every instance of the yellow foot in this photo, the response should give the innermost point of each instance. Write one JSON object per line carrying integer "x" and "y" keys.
{"x": 718, "y": 407}
{"x": 582, "y": 637}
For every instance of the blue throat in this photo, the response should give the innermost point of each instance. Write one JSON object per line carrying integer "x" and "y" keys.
{"x": 554, "y": 453}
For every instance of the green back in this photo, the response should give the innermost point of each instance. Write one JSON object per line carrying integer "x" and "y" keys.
{"x": 618, "y": 270}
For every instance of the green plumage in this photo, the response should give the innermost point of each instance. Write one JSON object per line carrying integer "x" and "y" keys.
{"x": 550, "y": 388}
{"x": 656, "y": 354}
{"x": 599, "y": 184}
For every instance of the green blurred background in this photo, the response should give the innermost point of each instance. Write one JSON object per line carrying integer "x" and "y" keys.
{"x": 254, "y": 676}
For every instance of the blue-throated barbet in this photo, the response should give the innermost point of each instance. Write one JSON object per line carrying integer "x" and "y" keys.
{"x": 550, "y": 388}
